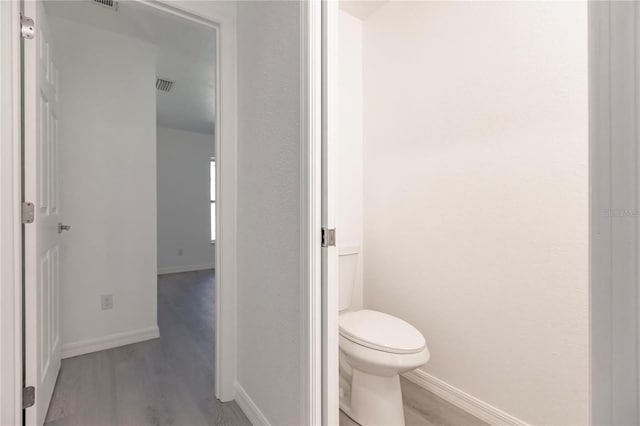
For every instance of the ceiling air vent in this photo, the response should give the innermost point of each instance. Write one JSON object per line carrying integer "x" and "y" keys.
{"x": 164, "y": 85}
{"x": 111, "y": 4}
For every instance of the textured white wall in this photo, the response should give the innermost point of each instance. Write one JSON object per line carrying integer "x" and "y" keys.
{"x": 108, "y": 181}
{"x": 183, "y": 200}
{"x": 476, "y": 195}
{"x": 268, "y": 208}
{"x": 349, "y": 218}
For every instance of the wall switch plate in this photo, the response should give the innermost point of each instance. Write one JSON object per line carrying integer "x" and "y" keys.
{"x": 179, "y": 252}
{"x": 106, "y": 301}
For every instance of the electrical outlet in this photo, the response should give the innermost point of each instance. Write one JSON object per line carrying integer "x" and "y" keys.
{"x": 179, "y": 252}
{"x": 106, "y": 302}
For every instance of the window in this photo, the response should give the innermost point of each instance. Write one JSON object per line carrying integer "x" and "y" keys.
{"x": 212, "y": 186}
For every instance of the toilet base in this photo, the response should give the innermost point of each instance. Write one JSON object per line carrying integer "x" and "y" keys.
{"x": 376, "y": 400}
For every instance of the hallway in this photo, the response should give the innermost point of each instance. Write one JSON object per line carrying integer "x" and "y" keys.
{"x": 165, "y": 381}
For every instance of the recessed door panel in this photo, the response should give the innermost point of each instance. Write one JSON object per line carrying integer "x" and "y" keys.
{"x": 42, "y": 240}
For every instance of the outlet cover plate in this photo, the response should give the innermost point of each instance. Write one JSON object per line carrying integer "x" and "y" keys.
{"x": 106, "y": 302}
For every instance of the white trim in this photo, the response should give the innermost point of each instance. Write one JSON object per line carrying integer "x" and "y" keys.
{"x": 310, "y": 217}
{"x": 614, "y": 171}
{"x": 107, "y": 342}
{"x": 174, "y": 8}
{"x": 249, "y": 408}
{"x": 10, "y": 227}
{"x": 187, "y": 268}
{"x": 463, "y": 400}
{"x": 329, "y": 186}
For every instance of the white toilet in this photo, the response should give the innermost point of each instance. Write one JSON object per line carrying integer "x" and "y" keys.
{"x": 374, "y": 349}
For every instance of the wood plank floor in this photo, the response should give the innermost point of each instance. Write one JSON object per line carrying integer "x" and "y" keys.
{"x": 165, "y": 381}
{"x": 423, "y": 408}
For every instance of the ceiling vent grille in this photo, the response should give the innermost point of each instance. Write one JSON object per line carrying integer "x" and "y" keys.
{"x": 111, "y": 4}
{"x": 164, "y": 85}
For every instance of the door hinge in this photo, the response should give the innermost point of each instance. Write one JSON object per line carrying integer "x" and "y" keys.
{"x": 27, "y": 27}
{"x": 27, "y": 212}
{"x": 328, "y": 237}
{"x": 28, "y": 396}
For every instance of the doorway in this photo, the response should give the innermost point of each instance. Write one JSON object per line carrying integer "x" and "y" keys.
{"x": 424, "y": 186}
{"x": 97, "y": 139}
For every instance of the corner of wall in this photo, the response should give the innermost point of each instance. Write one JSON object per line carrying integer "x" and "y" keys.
{"x": 249, "y": 408}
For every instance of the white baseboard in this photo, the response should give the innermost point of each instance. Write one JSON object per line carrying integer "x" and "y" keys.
{"x": 463, "y": 400}
{"x": 188, "y": 268}
{"x": 107, "y": 342}
{"x": 250, "y": 408}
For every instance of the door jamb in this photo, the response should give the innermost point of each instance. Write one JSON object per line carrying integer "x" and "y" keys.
{"x": 614, "y": 212}
{"x": 320, "y": 345}
{"x": 310, "y": 215}
{"x": 11, "y": 380}
{"x": 226, "y": 192}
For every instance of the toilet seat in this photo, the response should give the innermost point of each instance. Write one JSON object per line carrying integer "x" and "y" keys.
{"x": 382, "y": 332}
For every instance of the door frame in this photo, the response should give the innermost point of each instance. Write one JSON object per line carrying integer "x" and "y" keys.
{"x": 226, "y": 190}
{"x": 10, "y": 226}
{"x": 614, "y": 211}
{"x": 311, "y": 119}
{"x": 11, "y": 263}
{"x": 614, "y": 240}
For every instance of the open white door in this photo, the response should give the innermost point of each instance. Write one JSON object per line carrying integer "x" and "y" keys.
{"x": 42, "y": 236}
{"x": 330, "y": 285}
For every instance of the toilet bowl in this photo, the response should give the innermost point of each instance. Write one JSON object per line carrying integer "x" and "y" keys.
{"x": 375, "y": 348}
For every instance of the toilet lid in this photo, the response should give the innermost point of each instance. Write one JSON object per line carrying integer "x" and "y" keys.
{"x": 381, "y": 331}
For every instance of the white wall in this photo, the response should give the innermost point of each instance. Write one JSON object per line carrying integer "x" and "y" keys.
{"x": 475, "y": 167}
{"x": 269, "y": 298}
{"x": 183, "y": 200}
{"x": 108, "y": 183}
{"x": 349, "y": 218}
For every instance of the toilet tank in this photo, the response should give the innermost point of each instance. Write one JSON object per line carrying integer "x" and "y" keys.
{"x": 347, "y": 269}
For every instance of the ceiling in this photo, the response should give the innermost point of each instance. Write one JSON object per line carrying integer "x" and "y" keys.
{"x": 185, "y": 54}
{"x": 361, "y": 9}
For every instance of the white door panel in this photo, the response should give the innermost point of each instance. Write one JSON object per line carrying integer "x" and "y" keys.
{"x": 41, "y": 186}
